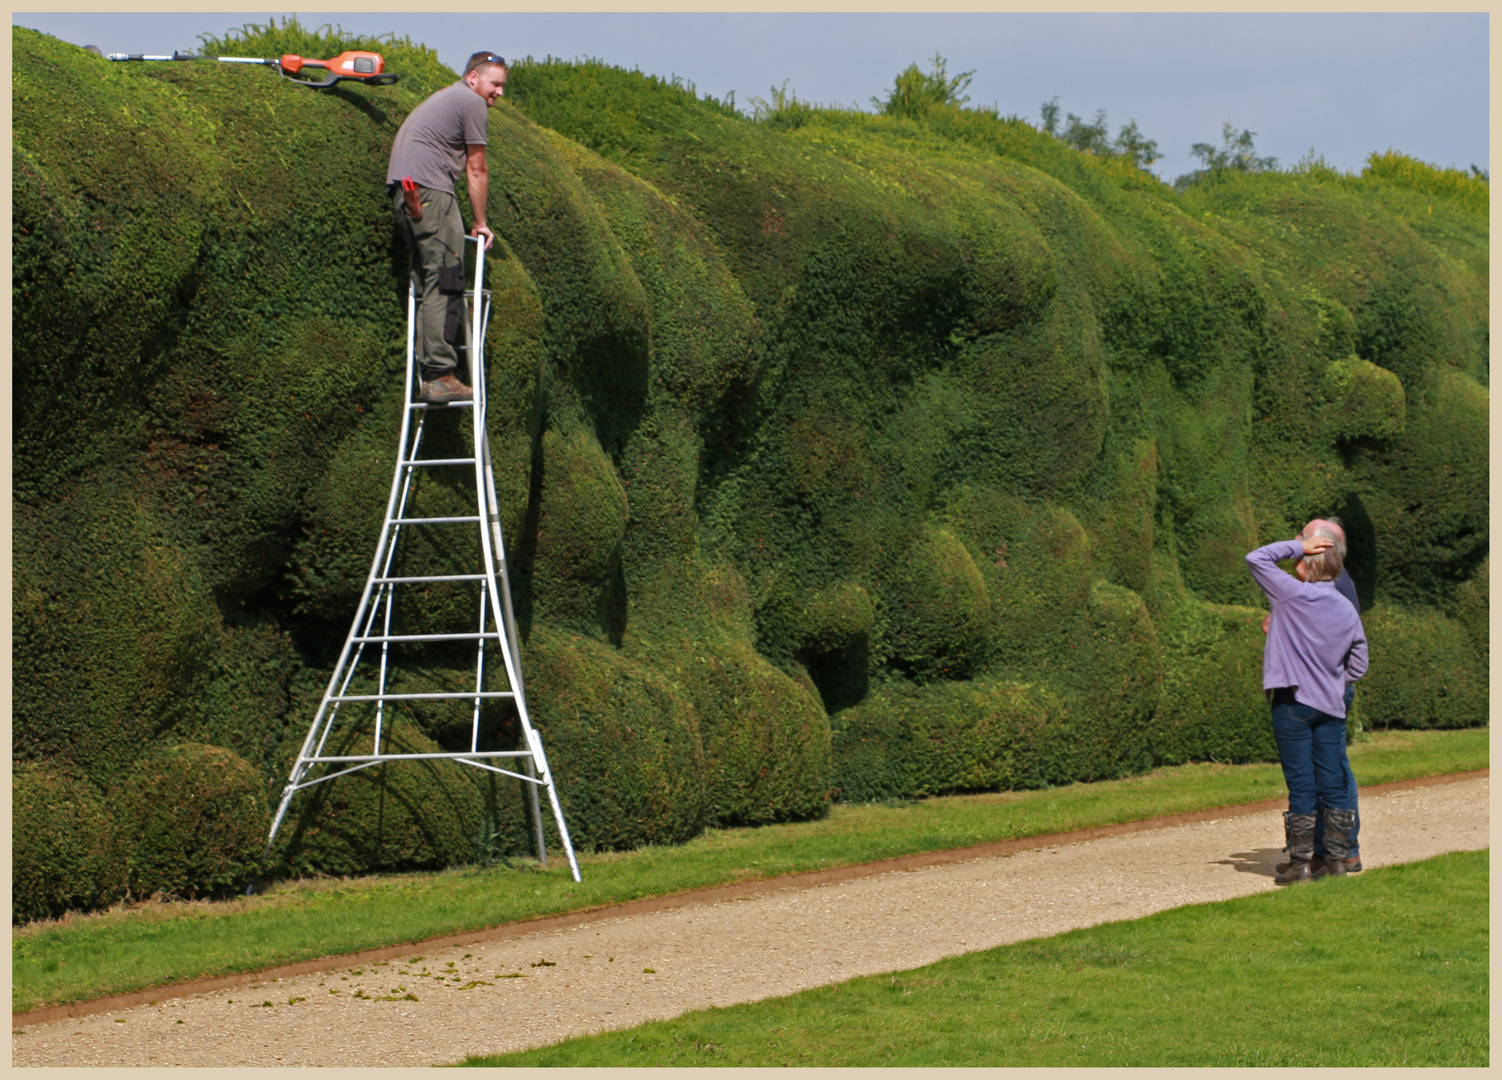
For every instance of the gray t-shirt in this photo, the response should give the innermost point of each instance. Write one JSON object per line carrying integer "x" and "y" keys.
{"x": 430, "y": 144}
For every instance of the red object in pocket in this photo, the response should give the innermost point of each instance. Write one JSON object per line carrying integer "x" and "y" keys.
{"x": 414, "y": 204}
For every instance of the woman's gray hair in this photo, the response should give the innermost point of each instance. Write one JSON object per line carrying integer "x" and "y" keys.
{"x": 1327, "y": 565}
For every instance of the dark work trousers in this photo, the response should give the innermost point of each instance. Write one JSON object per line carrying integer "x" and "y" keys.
{"x": 436, "y": 262}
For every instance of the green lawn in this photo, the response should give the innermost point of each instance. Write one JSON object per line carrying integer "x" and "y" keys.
{"x": 1388, "y": 968}
{"x": 159, "y": 944}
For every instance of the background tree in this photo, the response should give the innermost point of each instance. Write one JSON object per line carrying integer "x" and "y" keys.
{"x": 1095, "y": 137}
{"x": 782, "y": 110}
{"x": 916, "y": 92}
{"x": 1236, "y": 152}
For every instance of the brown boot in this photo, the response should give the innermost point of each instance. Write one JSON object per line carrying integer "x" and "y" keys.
{"x": 1314, "y": 865}
{"x": 1299, "y": 828}
{"x": 444, "y": 390}
{"x": 1338, "y": 825}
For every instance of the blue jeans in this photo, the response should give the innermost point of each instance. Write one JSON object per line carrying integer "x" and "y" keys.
{"x": 1319, "y": 815}
{"x": 1312, "y": 752}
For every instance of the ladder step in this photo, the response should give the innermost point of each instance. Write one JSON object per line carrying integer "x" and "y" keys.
{"x": 425, "y": 580}
{"x": 447, "y": 405}
{"x": 429, "y": 637}
{"x": 438, "y": 461}
{"x": 469, "y": 519}
{"x": 457, "y": 756}
{"x": 451, "y": 696}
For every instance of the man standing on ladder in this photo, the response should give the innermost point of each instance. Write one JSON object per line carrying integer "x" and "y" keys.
{"x": 442, "y": 138}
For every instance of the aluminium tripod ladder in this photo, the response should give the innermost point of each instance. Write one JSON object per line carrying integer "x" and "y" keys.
{"x": 372, "y": 623}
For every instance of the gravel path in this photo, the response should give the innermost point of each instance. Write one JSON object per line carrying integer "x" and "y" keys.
{"x": 432, "y": 1007}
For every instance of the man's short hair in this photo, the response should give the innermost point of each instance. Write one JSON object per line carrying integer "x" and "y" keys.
{"x": 1327, "y": 565}
{"x": 1340, "y": 534}
{"x": 485, "y": 59}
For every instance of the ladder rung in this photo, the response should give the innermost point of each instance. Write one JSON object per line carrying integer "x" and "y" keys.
{"x": 455, "y": 756}
{"x": 469, "y": 519}
{"x": 448, "y": 696}
{"x": 438, "y": 461}
{"x": 445, "y": 405}
{"x": 435, "y": 577}
{"x": 430, "y": 637}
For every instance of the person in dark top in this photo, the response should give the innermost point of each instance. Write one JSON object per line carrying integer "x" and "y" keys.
{"x": 442, "y": 139}
{"x": 1315, "y": 648}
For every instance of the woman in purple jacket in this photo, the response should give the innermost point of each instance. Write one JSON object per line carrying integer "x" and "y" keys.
{"x": 1315, "y": 648}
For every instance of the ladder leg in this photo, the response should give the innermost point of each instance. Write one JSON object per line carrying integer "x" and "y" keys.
{"x": 281, "y": 812}
{"x": 535, "y": 741}
{"x": 542, "y": 843}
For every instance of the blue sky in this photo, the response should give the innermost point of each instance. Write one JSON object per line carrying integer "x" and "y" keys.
{"x": 1342, "y": 84}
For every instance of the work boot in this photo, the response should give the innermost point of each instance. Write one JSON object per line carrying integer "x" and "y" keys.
{"x": 1316, "y": 862}
{"x": 1299, "y": 829}
{"x": 1353, "y": 865}
{"x": 1338, "y": 825}
{"x": 444, "y": 390}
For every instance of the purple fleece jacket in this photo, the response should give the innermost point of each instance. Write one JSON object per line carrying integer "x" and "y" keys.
{"x": 1315, "y": 642}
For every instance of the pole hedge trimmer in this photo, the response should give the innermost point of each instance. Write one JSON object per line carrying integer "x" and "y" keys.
{"x": 365, "y": 67}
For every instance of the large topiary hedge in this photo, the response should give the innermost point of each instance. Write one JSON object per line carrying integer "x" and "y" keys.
{"x": 814, "y": 424}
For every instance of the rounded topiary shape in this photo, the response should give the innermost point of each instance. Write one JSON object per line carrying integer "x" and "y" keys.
{"x": 1337, "y": 327}
{"x": 766, "y": 737}
{"x": 1473, "y": 610}
{"x": 1123, "y": 530}
{"x": 1212, "y": 707}
{"x": 1424, "y": 673}
{"x": 1426, "y": 497}
{"x": 579, "y": 529}
{"x": 789, "y": 624}
{"x": 621, "y": 740}
{"x": 1036, "y": 562}
{"x": 399, "y": 815}
{"x": 1116, "y": 667}
{"x": 906, "y": 742}
{"x": 1212, "y": 551}
{"x": 195, "y": 819}
{"x": 1366, "y": 401}
{"x": 64, "y": 851}
{"x": 938, "y": 610}
{"x": 115, "y": 630}
{"x": 836, "y": 618}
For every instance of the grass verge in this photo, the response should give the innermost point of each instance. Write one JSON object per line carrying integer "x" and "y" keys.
{"x": 1387, "y": 969}
{"x": 159, "y": 944}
